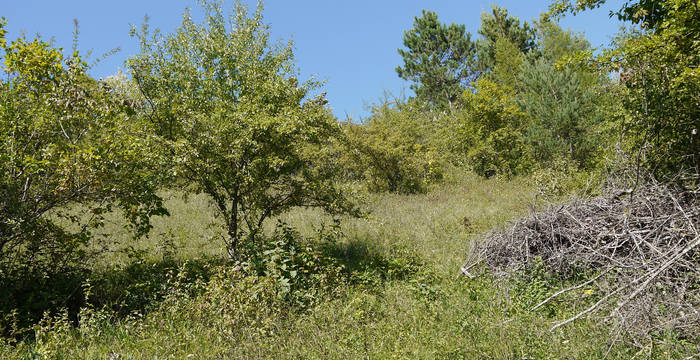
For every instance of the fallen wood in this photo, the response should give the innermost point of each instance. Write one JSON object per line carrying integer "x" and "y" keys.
{"x": 643, "y": 248}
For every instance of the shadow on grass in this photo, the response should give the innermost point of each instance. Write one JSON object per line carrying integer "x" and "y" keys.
{"x": 27, "y": 296}
{"x": 142, "y": 285}
{"x": 366, "y": 264}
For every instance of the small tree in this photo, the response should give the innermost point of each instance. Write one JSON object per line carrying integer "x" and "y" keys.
{"x": 439, "y": 60}
{"x": 491, "y": 128}
{"x": 562, "y": 112}
{"x": 64, "y": 144}
{"x": 506, "y": 65}
{"x": 392, "y": 149}
{"x": 227, "y": 109}
{"x": 63, "y": 140}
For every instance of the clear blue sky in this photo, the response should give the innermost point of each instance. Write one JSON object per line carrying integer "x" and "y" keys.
{"x": 351, "y": 44}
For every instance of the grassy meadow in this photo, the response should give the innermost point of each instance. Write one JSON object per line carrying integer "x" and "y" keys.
{"x": 400, "y": 295}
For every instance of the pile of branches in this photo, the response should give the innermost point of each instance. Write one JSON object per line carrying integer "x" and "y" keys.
{"x": 638, "y": 246}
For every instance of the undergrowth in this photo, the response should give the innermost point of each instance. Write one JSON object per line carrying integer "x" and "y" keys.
{"x": 387, "y": 286}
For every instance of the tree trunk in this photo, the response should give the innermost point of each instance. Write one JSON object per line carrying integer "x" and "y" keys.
{"x": 233, "y": 233}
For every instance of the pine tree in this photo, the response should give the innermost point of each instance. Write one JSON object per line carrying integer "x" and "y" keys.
{"x": 439, "y": 60}
{"x": 500, "y": 25}
{"x": 562, "y": 112}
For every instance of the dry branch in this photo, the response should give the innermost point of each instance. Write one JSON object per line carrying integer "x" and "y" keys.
{"x": 643, "y": 248}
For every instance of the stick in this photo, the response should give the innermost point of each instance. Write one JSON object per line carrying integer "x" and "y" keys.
{"x": 652, "y": 275}
{"x": 465, "y": 269}
{"x": 584, "y": 312}
{"x": 569, "y": 289}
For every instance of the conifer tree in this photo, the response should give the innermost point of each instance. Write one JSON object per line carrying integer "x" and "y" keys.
{"x": 439, "y": 60}
{"x": 562, "y": 112}
{"x": 500, "y": 25}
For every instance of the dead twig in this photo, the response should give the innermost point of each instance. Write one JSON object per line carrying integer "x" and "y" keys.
{"x": 650, "y": 239}
{"x": 556, "y": 294}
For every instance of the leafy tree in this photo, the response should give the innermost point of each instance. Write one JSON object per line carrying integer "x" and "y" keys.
{"x": 659, "y": 64}
{"x": 506, "y": 65}
{"x": 227, "y": 108}
{"x": 391, "y": 150}
{"x": 492, "y": 129}
{"x": 439, "y": 60}
{"x": 554, "y": 43}
{"x": 500, "y": 25}
{"x": 64, "y": 144}
{"x": 649, "y": 13}
{"x": 63, "y": 141}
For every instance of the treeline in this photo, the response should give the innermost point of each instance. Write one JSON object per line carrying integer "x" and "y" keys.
{"x": 525, "y": 97}
{"x": 217, "y": 108}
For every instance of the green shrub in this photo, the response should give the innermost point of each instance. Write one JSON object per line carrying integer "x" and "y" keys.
{"x": 491, "y": 124}
{"x": 392, "y": 150}
{"x": 658, "y": 62}
{"x": 301, "y": 273}
{"x": 562, "y": 177}
{"x": 65, "y": 142}
{"x": 501, "y": 152}
{"x": 231, "y": 302}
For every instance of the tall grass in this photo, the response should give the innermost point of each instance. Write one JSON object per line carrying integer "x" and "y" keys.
{"x": 403, "y": 297}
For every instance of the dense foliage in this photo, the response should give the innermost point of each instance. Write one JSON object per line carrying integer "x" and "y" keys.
{"x": 214, "y": 111}
{"x": 64, "y": 141}
{"x": 524, "y": 107}
{"x": 658, "y": 65}
{"x": 499, "y": 25}
{"x": 231, "y": 116}
{"x": 391, "y": 150}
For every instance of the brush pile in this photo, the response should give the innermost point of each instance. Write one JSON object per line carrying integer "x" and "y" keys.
{"x": 639, "y": 248}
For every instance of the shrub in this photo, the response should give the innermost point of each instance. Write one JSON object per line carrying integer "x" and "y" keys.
{"x": 392, "y": 152}
{"x": 64, "y": 142}
{"x": 491, "y": 124}
{"x": 301, "y": 273}
{"x": 562, "y": 177}
{"x": 659, "y": 67}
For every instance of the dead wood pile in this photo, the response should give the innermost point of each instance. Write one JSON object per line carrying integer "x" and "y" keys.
{"x": 640, "y": 249}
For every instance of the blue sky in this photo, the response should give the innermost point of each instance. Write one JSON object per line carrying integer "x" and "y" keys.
{"x": 351, "y": 44}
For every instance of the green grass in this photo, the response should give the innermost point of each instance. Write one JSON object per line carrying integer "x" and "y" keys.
{"x": 403, "y": 298}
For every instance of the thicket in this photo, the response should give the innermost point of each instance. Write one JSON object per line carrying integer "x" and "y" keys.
{"x": 64, "y": 141}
